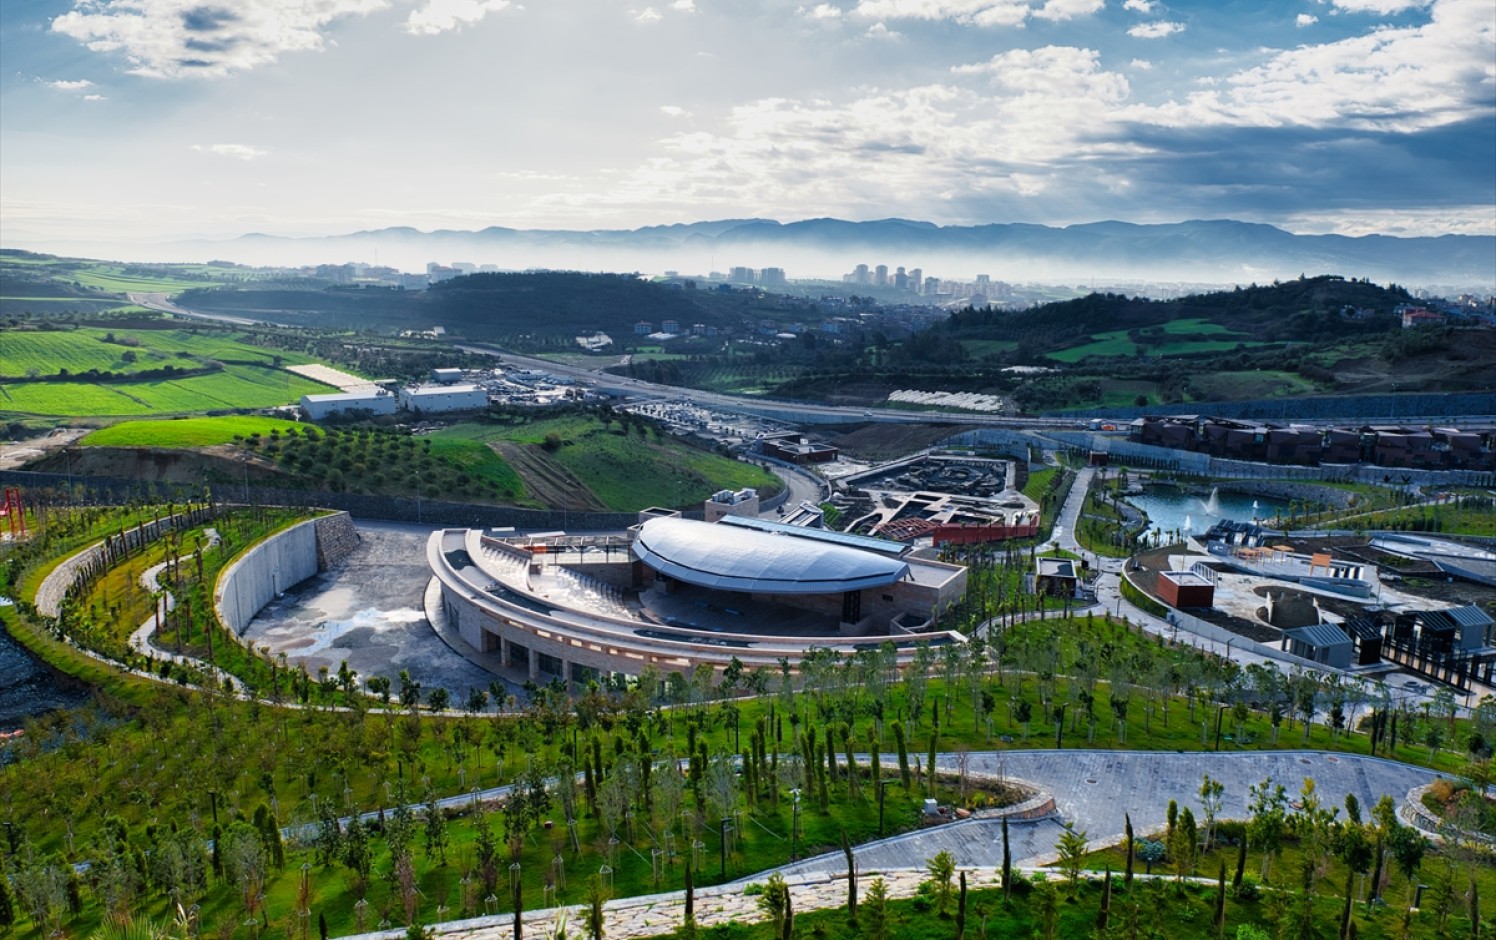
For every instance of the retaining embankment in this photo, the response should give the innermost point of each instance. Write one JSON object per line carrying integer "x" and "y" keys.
{"x": 279, "y": 562}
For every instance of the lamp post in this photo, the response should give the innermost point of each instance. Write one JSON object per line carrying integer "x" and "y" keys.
{"x": 1220, "y": 717}
{"x": 794, "y": 820}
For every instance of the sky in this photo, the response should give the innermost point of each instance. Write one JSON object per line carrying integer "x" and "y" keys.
{"x": 147, "y": 121}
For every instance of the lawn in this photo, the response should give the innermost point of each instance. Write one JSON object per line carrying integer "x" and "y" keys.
{"x": 1210, "y": 386}
{"x": 184, "y": 432}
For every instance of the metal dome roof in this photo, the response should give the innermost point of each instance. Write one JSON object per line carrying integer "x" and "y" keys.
{"x": 737, "y": 559}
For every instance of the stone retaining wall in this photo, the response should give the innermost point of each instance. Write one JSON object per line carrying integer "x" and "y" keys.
{"x": 336, "y": 539}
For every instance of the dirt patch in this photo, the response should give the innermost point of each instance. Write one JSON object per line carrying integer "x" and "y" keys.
{"x": 546, "y": 480}
{"x": 878, "y": 441}
{"x": 161, "y": 465}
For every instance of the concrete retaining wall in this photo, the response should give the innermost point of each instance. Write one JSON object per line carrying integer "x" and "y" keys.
{"x": 257, "y": 576}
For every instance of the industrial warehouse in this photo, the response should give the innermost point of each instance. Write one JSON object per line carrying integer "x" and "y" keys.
{"x": 675, "y": 593}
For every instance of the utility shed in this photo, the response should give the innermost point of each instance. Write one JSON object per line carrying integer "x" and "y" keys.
{"x": 1323, "y": 643}
{"x": 1185, "y": 589}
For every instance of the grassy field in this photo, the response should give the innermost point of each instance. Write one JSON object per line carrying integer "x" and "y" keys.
{"x": 631, "y": 471}
{"x": 1118, "y": 343}
{"x": 251, "y": 377}
{"x": 183, "y": 432}
{"x": 235, "y": 387}
{"x": 1218, "y": 386}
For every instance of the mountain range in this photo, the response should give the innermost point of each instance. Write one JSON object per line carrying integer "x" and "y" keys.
{"x": 1223, "y": 251}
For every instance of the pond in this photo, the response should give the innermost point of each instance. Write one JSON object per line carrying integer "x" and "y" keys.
{"x": 1170, "y": 508}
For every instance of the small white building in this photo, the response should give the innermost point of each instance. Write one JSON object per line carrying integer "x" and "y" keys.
{"x": 728, "y": 503}
{"x": 432, "y": 399}
{"x": 446, "y": 376}
{"x": 376, "y": 401}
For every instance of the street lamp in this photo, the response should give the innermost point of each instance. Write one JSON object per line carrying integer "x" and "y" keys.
{"x": 1220, "y": 717}
{"x": 794, "y": 821}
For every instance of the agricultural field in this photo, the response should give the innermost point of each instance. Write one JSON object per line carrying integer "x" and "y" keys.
{"x": 244, "y": 376}
{"x": 236, "y": 387}
{"x": 184, "y": 432}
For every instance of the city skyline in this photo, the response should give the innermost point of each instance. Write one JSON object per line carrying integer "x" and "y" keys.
{"x": 139, "y": 121}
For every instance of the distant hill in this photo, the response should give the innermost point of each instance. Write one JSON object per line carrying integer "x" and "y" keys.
{"x": 490, "y": 307}
{"x": 1219, "y": 251}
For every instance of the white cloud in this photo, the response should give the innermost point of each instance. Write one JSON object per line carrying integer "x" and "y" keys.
{"x": 1383, "y": 7}
{"x": 965, "y": 12}
{"x": 646, "y": 15}
{"x": 684, "y": 6}
{"x": 1054, "y": 72}
{"x": 64, "y": 85}
{"x": 237, "y": 151}
{"x": 1058, "y": 10}
{"x": 95, "y": 97}
{"x": 1140, "y": 6}
{"x": 178, "y": 38}
{"x": 1155, "y": 30}
{"x": 1305, "y": 19}
{"x": 821, "y": 11}
{"x": 882, "y": 32}
{"x": 439, "y": 16}
{"x": 1368, "y": 82}
{"x": 1142, "y": 65}
{"x": 673, "y": 110}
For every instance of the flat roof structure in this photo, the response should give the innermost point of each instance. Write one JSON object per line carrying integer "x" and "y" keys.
{"x": 732, "y": 557}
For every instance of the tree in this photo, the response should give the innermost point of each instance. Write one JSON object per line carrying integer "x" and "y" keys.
{"x": 1073, "y": 846}
{"x": 851, "y": 879}
{"x": 942, "y": 870}
{"x": 1184, "y": 844}
{"x": 1131, "y": 850}
{"x": 1104, "y": 913}
{"x": 961, "y": 910}
{"x": 876, "y": 909}
{"x": 1268, "y": 804}
{"x": 775, "y": 902}
{"x": 1007, "y": 862}
{"x": 903, "y": 747}
{"x": 1407, "y": 846}
{"x": 1212, "y": 795}
{"x": 597, "y": 896}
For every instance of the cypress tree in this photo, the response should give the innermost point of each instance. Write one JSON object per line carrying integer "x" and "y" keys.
{"x": 961, "y": 910}
{"x": 1220, "y": 919}
{"x": 930, "y": 767}
{"x": 321, "y": 925}
{"x": 1376, "y": 874}
{"x": 519, "y": 909}
{"x": 1345, "y": 912}
{"x": 831, "y": 754}
{"x": 1007, "y": 862}
{"x": 1241, "y": 864}
{"x": 789, "y": 916}
{"x": 1105, "y": 913}
{"x": 690, "y": 896}
{"x": 851, "y": 879}
{"x": 1131, "y": 851}
{"x": 903, "y": 746}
